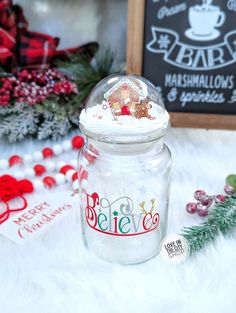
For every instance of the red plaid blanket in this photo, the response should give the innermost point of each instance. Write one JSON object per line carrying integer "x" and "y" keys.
{"x": 20, "y": 47}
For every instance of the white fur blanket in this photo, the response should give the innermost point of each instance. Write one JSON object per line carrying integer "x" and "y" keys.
{"x": 55, "y": 274}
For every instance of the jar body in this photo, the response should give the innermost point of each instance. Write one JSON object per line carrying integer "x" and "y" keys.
{"x": 124, "y": 196}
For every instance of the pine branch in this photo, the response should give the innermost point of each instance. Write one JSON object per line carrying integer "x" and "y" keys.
{"x": 17, "y": 125}
{"x": 222, "y": 219}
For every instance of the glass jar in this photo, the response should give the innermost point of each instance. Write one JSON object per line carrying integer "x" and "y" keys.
{"x": 124, "y": 173}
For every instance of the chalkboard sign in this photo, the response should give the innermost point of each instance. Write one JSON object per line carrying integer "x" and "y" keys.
{"x": 188, "y": 50}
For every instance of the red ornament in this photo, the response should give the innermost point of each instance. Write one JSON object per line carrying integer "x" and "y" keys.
{"x": 15, "y": 159}
{"x": 77, "y": 142}
{"x": 125, "y": 110}
{"x": 64, "y": 169}
{"x": 49, "y": 181}
{"x": 39, "y": 169}
{"x": 47, "y": 152}
{"x": 74, "y": 176}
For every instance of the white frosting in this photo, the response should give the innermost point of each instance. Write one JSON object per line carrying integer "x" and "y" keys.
{"x": 99, "y": 120}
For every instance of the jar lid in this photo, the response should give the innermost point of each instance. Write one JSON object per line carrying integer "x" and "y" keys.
{"x": 124, "y": 109}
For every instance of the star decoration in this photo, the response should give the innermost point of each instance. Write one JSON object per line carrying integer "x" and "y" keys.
{"x": 142, "y": 190}
{"x": 163, "y": 41}
{"x": 115, "y": 213}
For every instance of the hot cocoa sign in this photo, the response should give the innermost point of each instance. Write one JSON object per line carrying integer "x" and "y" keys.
{"x": 190, "y": 53}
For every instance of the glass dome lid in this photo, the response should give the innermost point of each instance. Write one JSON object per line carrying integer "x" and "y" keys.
{"x": 124, "y": 109}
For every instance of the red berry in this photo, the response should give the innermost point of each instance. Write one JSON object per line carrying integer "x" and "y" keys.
{"x": 47, "y": 153}
{"x": 77, "y": 142}
{"x": 207, "y": 202}
{"x": 75, "y": 176}
{"x": 15, "y": 159}
{"x": 39, "y": 169}
{"x": 229, "y": 190}
{"x": 200, "y": 195}
{"x": 125, "y": 110}
{"x": 202, "y": 212}
{"x": 64, "y": 169}
{"x": 49, "y": 181}
{"x": 191, "y": 207}
{"x": 220, "y": 198}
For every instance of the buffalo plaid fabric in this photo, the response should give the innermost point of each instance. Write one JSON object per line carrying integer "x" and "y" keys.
{"x": 20, "y": 47}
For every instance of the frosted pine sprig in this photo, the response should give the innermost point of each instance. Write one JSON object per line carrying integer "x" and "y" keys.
{"x": 221, "y": 219}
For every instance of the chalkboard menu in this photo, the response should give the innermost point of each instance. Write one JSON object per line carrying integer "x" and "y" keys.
{"x": 188, "y": 51}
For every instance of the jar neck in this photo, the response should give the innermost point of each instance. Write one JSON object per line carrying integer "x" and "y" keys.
{"x": 104, "y": 148}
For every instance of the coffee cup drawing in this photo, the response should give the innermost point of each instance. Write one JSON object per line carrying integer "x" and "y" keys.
{"x": 204, "y": 19}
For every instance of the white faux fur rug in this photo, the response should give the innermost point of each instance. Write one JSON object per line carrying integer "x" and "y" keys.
{"x": 55, "y": 274}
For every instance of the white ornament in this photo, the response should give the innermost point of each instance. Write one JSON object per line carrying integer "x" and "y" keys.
{"x": 28, "y": 158}
{"x": 74, "y": 163}
{"x": 38, "y": 184}
{"x": 4, "y": 164}
{"x": 69, "y": 174}
{"x": 57, "y": 149}
{"x": 60, "y": 164}
{"x": 67, "y": 145}
{"x": 75, "y": 185}
{"x": 38, "y": 156}
{"x": 60, "y": 178}
{"x": 19, "y": 175}
{"x": 50, "y": 166}
{"x": 29, "y": 172}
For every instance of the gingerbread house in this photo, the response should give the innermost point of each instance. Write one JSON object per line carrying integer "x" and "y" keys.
{"x": 124, "y": 93}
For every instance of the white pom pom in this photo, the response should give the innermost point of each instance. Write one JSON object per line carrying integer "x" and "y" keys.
{"x": 19, "y": 175}
{"x": 38, "y": 156}
{"x": 74, "y": 163}
{"x": 38, "y": 184}
{"x": 4, "y": 164}
{"x": 75, "y": 185}
{"x": 60, "y": 164}
{"x": 57, "y": 149}
{"x": 28, "y": 158}
{"x": 60, "y": 179}
{"x": 69, "y": 174}
{"x": 50, "y": 166}
{"x": 29, "y": 172}
{"x": 67, "y": 145}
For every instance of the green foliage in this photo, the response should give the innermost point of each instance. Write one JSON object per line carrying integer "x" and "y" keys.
{"x": 221, "y": 219}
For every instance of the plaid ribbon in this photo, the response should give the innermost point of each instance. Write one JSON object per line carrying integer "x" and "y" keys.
{"x": 20, "y": 47}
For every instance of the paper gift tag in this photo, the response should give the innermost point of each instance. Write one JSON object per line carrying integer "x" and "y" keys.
{"x": 38, "y": 217}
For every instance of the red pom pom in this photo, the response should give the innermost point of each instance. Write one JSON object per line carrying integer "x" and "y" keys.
{"x": 64, "y": 169}
{"x": 77, "y": 142}
{"x": 125, "y": 110}
{"x": 74, "y": 176}
{"x": 47, "y": 153}
{"x": 39, "y": 169}
{"x": 49, "y": 181}
{"x": 15, "y": 159}
{"x": 25, "y": 186}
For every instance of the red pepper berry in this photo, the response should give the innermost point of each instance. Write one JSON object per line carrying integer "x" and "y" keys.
{"x": 49, "y": 181}
{"x": 77, "y": 142}
{"x": 39, "y": 169}
{"x": 125, "y": 110}
{"x": 64, "y": 169}
{"x": 15, "y": 159}
{"x": 47, "y": 153}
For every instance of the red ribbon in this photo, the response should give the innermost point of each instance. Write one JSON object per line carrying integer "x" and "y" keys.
{"x": 20, "y": 47}
{"x": 10, "y": 189}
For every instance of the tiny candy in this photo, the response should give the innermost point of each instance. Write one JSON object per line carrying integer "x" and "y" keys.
{"x": 15, "y": 159}
{"x": 77, "y": 142}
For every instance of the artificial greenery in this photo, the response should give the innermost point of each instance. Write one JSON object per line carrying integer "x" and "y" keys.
{"x": 53, "y": 117}
{"x": 221, "y": 219}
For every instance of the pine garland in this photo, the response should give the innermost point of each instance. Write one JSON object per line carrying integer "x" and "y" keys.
{"x": 222, "y": 219}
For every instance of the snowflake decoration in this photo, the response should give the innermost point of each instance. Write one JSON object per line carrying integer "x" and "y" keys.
{"x": 164, "y": 41}
{"x": 142, "y": 190}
